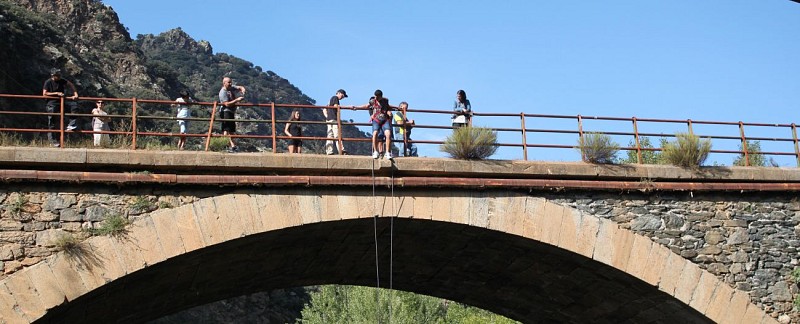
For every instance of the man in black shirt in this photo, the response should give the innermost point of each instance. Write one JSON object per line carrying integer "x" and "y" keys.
{"x": 56, "y": 87}
{"x": 331, "y": 119}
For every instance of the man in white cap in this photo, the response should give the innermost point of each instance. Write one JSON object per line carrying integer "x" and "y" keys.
{"x": 331, "y": 120}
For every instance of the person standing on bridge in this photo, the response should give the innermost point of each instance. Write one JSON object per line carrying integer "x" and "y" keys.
{"x": 183, "y": 112}
{"x": 229, "y": 97}
{"x": 100, "y": 124}
{"x": 55, "y": 87}
{"x": 462, "y": 110}
{"x": 331, "y": 121}
{"x": 404, "y": 126}
{"x": 293, "y": 129}
{"x": 380, "y": 116}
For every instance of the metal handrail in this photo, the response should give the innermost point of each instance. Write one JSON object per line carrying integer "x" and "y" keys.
{"x": 135, "y": 114}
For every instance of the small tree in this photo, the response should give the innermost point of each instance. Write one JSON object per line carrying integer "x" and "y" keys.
{"x": 754, "y": 153}
{"x": 687, "y": 150}
{"x": 648, "y": 157}
{"x": 470, "y": 143}
{"x": 598, "y": 148}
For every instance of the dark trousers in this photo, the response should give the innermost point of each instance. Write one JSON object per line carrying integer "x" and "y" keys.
{"x": 52, "y": 121}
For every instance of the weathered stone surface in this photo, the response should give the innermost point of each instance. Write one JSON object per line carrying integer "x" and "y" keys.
{"x": 646, "y": 223}
{"x": 713, "y": 237}
{"x": 739, "y": 236}
{"x": 70, "y": 215}
{"x": 97, "y": 213}
{"x": 780, "y": 292}
{"x": 57, "y": 202}
{"x": 49, "y": 237}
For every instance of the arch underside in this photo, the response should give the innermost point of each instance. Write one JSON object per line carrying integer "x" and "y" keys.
{"x": 517, "y": 277}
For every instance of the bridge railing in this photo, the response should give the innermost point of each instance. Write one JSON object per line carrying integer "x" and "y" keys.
{"x": 562, "y": 132}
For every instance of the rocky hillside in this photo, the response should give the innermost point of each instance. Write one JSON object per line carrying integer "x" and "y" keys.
{"x": 86, "y": 40}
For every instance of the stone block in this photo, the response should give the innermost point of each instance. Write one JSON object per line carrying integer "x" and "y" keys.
{"x": 355, "y": 205}
{"x": 143, "y": 235}
{"x": 245, "y": 208}
{"x": 551, "y": 223}
{"x": 587, "y": 235}
{"x": 737, "y": 308}
{"x": 621, "y": 252}
{"x": 603, "y": 249}
{"x": 753, "y": 314}
{"x": 168, "y": 233}
{"x": 423, "y": 205}
{"x": 330, "y": 207}
{"x": 720, "y": 303}
{"x": 229, "y": 218}
{"x": 69, "y": 279}
{"x": 688, "y": 282}
{"x": 460, "y": 208}
{"x": 26, "y": 296}
{"x": 9, "y": 311}
{"x": 532, "y": 225}
{"x": 570, "y": 224}
{"x": 49, "y": 237}
{"x": 655, "y": 263}
{"x": 704, "y": 291}
{"x": 108, "y": 266}
{"x": 278, "y": 210}
{"x": 640, "y": 249}
{"x": 442, "y": 209}
{"x": 189, "y": 228}
{"x": 205, "y": 213}
{"x": 671, "y": 272}
{"x": 479, "y": 209}
{"x": 311, "y": 211}
{"x": 130, "y": 255}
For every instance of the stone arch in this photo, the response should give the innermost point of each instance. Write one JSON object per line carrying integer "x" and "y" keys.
{"x": 532, "y": 237}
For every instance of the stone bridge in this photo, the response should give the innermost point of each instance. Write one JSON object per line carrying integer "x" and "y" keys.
{"x": 536, "y": 242}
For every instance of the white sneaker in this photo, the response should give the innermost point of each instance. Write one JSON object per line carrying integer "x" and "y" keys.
{"x": 374, "y": 154}
{"x": 389, "y": 156}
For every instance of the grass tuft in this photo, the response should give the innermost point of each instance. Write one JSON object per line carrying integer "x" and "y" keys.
{"x": 687, "y": 151}
{"x": 598, "y": 148}
{"x": 470, "y": 143}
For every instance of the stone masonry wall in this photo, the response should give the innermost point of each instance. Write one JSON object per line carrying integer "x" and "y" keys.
{"x": 749, "y": 240}
{"x": 34, "y": 217}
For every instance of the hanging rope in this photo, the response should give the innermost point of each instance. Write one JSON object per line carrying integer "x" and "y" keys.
{"x": 391, "y": 243}
{"x": 375, "y": 235}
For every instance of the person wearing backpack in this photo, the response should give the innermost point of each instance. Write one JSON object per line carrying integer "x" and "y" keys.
{"x": 380, "y": 116}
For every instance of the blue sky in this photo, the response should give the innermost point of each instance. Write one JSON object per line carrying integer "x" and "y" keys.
{"x": 705, "y": 60}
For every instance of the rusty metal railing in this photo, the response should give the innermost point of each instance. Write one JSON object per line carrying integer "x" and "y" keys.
{"x": 782, "y": 135}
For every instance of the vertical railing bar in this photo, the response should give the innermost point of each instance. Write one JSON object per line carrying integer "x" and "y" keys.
{"x": 689, "y": 123}
{"x": 211, "y": 125}
{"x": 744, "y": 144}
{"x": 796, "y": 147}
{"x": 580, "y": 137}
{"x": 339, "y": 129}
{"x": 524, "y": 137}
{"x": 133, "y": 123}
{"x": 636, "y": 139}
{"x": 61, "y": 122}
{"x": 274, "y": 135}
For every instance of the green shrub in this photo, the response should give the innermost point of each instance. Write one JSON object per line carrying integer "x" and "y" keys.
{"x": 470, "y": 143}
{"x": 687, "y": 150}
{"x": 754, "y": 153}
{"x": 141, "y": 204}
{"x": 648, "y": 157}
{"x": 218, "y": 144}
{"x": 18, "y": 205}
{"x": 113, "y": 225}
{"x": 598, "y": 148}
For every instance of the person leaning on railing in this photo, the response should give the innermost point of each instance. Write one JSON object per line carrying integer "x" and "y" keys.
{"x": 183, "y": 112}
{"x": 462, "y": 109}
{"x": 404, "y": 126}
{"x": 56, "y": 87}
{"x": 332, "y": 123}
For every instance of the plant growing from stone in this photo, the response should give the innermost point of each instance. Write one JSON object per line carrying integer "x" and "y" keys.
{"x": 597, "y": 148}
{"x": 754, "y": 155}
{"x": 470, "y": 143}
{"x": 141, "y": 204}
{"x": 687, "y": 151}
{"x": 113, "y": 225}
{"x": 68, "y": 243}
{"x": 16, "y": 207}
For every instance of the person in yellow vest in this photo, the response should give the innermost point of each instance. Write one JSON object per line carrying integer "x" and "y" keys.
{"x": 404, "y": 126}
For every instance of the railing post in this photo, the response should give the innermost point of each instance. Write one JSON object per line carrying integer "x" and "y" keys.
{"x": 636, "y": 139}
{"x": 689, "y": 123}
{"x": 211, "y": 125}
{"x": 133, "y": 125}
{"x": 274, "y": 135}
{"x": 339, "y": 129}
{"x": 580, "y": 137}
{"x": 524, "y": 137}
{"x": 61, "y": 122}
{"x": 744, "y": 144}
{"x": 796, "y": 147}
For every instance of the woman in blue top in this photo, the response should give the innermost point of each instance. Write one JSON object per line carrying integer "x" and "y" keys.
{"x": 462, "y": 109}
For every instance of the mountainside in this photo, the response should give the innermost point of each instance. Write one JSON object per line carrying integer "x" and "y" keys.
{"x": 86, "y": 40}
